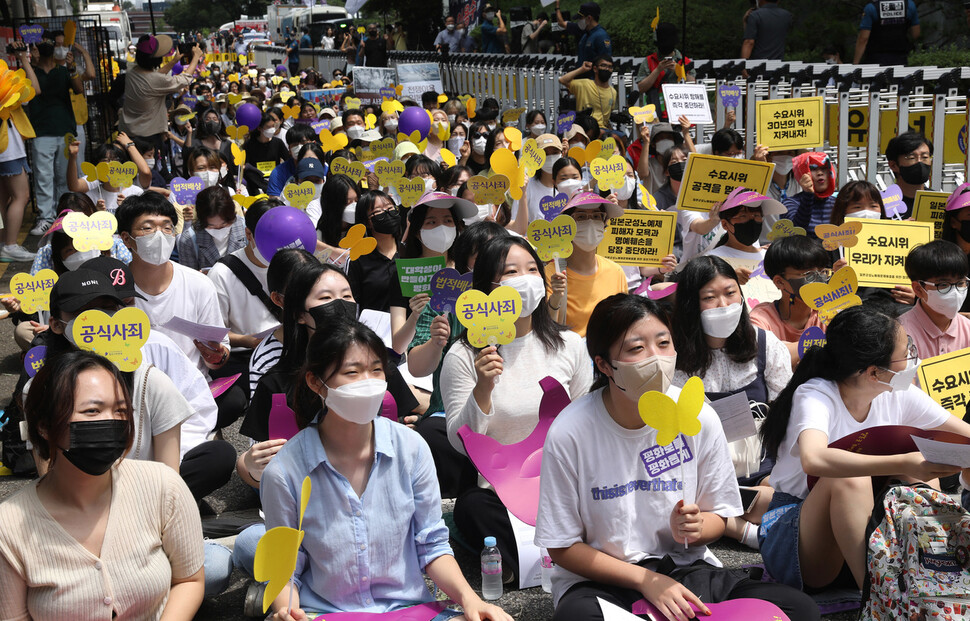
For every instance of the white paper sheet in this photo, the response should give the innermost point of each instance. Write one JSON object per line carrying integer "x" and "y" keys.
{"x": 379, "y": 322}
{"x": 612, "y": 612}
{"x": 198, "y": 331}
{"x": 266, "y": 333}
{"x": 530, "y": 571}
{"x": 944, "y": 452}
{"x": 736, "y": 417}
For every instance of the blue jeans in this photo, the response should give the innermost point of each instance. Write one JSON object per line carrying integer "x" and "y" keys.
{"x": 218, "y": 568}
{"x": 244, "y": 550}
{"x": 50, "y": 173}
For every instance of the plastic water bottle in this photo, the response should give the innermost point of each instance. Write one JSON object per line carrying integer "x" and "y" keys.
{"x": 491, "y": 570}
{"x": 546, "y": 565}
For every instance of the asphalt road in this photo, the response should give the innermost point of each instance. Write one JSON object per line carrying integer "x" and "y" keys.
{"x": 236, "y": 498}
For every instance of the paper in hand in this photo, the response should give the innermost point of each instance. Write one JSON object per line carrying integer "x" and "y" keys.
{"x": 197, "y": 331}
{"x": 736, "y": 418}
{"x": 946, "y": 453}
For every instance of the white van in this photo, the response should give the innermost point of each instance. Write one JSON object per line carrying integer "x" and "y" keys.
{"x": 118, "y": 28}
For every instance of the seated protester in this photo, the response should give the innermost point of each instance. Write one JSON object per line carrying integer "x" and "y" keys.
{"x": 403, "y": 533}
{"x": 284, "y": 264}
{"x": 728, "y": 142}
{"x": 207, "y": 165}
{"x": 264, "y": 152}
{"x": 75, "y": 201}
{"x": 212, "y": 135}
{"x": 696, "y": 231}
{"x": 244, "y": 302}
{"x": 297, "y": 136}
{"x": 791, "y": 263}
{"x": 373, "y": 276}
{"x": 661, "y": 138}
{"x": 426, "y": 168}
{"x": 587, "y": 277}
{"x": 433, "y": 224}
{"x": 353, "y": 122}
{"x": 743, "y": 225}
{"x": 215, "y": 231}
{"x": 104, "y": 195}
{"x": 139, "y": 521}
{"x": 169, "y": 290}
{"x": 387, "y": 124}
{"x": 938, "y": 271}
{"x": 477, "y": 137}
{"x": 910, "y": 156}
{"x": 541, "y": 185}
{"x": 861, "y": 378}
{"x": 439, "y": 127}
{"x": 148, "y": 153}
{"x": 453, "y": 177}
{"x": 434, "y": 334}
{"x": 507, "y": 412}
{"x": 633, "y": 546}
{"x": 731, "y": 356}
{"x": 337, "y": 204}
{"x": 813, "y": 205}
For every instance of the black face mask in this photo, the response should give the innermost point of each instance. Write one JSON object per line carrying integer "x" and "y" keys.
{"x": 213, "y": 127}
{"x": 333, "y": 311}
{"x": 676, "y": 171}
{"x": 915, "y": 174}
{"x": 387, "y": 222}
{"x": 95, "y": 445}
{"x": 748, "y": 232}
{"x": 965, "y": 230}
{"x": 603, "y": 75}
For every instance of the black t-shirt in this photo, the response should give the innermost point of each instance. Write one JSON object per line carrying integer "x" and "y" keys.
{"x": 272, "y": 151}
{"x": 375, "y": 52}
{"x": 373, "y": 279}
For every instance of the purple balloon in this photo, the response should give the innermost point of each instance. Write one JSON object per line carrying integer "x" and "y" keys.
{"x": 284, "y": 227}
{"x": 177, "y": 68}
{"x": 250, "y": 115}
{"x": 413, "y": 119}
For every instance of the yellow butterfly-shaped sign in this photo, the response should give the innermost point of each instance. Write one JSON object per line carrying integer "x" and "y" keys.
{"x": 234, "y": 98}
{"x": 287, "y": 95}
{"x": 414, "y": 138}
{"x": 442, "y": 98}
{"x": 389, "y": 106}
{"x": 238, "y": 155}
{"x": 656, "y": 20}
{"x": 644, "y": 114}
{"x": 514, "y": 136}
{"x": 512, "y": 116}
{"x": 295, "y": 80}
{"x": 69, "y": 139}
{"x": 470, "y": 106}
{"x": 276, "y": 79}
{"x": 829, "y": 299}
{"x": 233, "y": 77}
{"x": 389, "y": 172}
{"x": 503, "y": 162}
{"x": 291, "y": 112}
{"x": 673, "y": 419}
{"x": 70, "y": 31}
{"x": 410, "y": 190}
{"x": 784, "y": 228}
{"x": 845, "y": 235}
{"x": 463, "y": 98}
{"x": 277, "y": 551}
{"x": 448, "y": 158}
{"x": 246, "y": 201}
{"x": 609, "y": 174}
{"x": 331, "y": 142}
{"x": 489, "y": 190}
{"x": 97, "y": 172}
{"x": 608, "y": 150}
{"x": 185, "y": 118}
{"x": 351, "y": 103}
{"x": 33, "y": 291}
{"x": 357, "y": 242}
{"x": 588, "y": 154}
{"x": 370, "y": 121}
{"x": 490, "y": 319}
{"x": 237, "y": 132}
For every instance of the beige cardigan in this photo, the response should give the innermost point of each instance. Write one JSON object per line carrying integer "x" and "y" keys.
{"x": 153, "y": 534}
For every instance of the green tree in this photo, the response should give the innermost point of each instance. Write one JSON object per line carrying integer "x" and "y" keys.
{"x": 183, "y": 15}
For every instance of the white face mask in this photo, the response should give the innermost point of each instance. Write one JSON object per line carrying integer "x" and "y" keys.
{"x": 450, "y": 27}
{"x": 483, "y": 212}
{"x": 156, "y": 248}
{"x": 150, "y": 161}
{"x": 429, "y": 185}
{"x": 783, "y": 164}
{"x": 359, "y": 402}
{"x": 589, "y": 234}
{"x": 391, "y": 125}
{"x": 531, "y": 289}
{"x": 865, "y": 215}
{"x": 438, "y": 239}
{"x": 903, "y": 380}
{"x": 350, "y": 213}
{"x": 60, "y": 53}
{"x": 209, "y": 177}
{"x": 629, "y": 185}
{"x": 721, "y": 322}
{"x": 78, "y": 259}
{"x": 478, "y": 145}
{"x": 223, "y": 171}
{"x": 295, "y": 150}
{"x": 550, "y": 162}
{"x": 570, "y": 186}
{"x": 538, "y": 129}
{"x": 318, "y": 187}
{"x": 269, "y": 132}
{"x": 636, "y": 378}
{"x": 581, "y": 23}
{"x": 454, "y": 144}
{"x": 220, "y": 235}
{"x": 261, "y": 84}
{"x": 451, "y": 119}
{"x": 355, "y": 131}
{"x": 663, "y": 145}
{"x": 946, "y": 304}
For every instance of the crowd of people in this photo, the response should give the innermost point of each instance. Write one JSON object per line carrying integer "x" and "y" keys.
{"x": 126, "y": 459}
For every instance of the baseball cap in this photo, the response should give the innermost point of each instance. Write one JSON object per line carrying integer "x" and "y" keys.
{"x": 590, "y": 8}
{"x": 548, "y": 140}
{"x": 575, "y": 130}
{"x": 328, "y": 111}
{"x": 370, "y": 135}
{"x": 404, "y": 148}
{"x": 118, "y": 273}
{"x": 309, "y": 167}
{"x": 75, "y": 289}
{"x": 156, "y": 47}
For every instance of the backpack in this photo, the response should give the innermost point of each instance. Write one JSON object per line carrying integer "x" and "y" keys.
{"x": 918, "y": 557}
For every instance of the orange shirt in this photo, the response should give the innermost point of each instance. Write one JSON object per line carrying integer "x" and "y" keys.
{"x": 584, "y": 292}
{"x": 766, "y": 317}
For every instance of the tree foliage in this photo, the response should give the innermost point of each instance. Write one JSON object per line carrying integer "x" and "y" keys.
{"x": 186, "y": 15}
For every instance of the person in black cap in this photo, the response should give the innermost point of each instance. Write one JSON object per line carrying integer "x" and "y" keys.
{"x": 596, "y": 41}
{"x": 491, "y": 33}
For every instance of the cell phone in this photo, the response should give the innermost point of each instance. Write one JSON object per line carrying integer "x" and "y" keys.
{"x": 670, "y": 58}
{"x": 749, "y": 496}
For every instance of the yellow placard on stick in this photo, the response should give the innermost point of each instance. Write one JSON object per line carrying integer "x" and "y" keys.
{"x": 838, "y": 294}
{"x": 791, "y": 123}
{"x": 639, "y": 237}
{"x": 490, "y": 319}
{"x": 880, "y": 255}
{"x": 946, "y": 378}
{"x": 552, "y": 240}
{"x": 708, "y": 179}
{"x": 929, "y": 207}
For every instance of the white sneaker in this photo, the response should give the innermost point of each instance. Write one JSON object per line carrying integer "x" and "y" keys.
{"x": 40, "y": 227}
{"x": 13, "y": 252}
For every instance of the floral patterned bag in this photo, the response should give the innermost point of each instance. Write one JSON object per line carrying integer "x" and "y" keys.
{"x": 918, "y": 557}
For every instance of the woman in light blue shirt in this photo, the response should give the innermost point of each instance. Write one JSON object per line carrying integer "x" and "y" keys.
{"x": 373, "y": 523}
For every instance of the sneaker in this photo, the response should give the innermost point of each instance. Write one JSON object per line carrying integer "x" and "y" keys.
{"x": 253, "y": 605}
{"x": 40, "y": 227}
{"x": 13, "y": 252}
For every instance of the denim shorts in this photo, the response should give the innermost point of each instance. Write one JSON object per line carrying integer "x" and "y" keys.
{"x": 778, "y": 539}
{"x": 12, "y": 168}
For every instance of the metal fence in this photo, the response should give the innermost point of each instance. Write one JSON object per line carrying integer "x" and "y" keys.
{"x": 866, "y": 105}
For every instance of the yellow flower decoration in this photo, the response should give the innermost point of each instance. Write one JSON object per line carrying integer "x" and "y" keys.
{"x": 15, "y": 91}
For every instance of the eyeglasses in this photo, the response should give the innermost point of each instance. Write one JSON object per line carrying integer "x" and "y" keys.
{"x": 946, "y": 287}
{"x": 911, "y": 352}
{"x": 912, "y": 158}
{"x": 819, "y": 275}
{"x": 597, "y": 216}
{"x": 149, "y": 229}
{"x": 385, "y": 210}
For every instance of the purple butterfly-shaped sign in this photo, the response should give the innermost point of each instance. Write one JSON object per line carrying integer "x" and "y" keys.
{"x": 552, "y": 206}
{"x": 186, "y": 190}
{"x": 446, "y": 286}
{"x": 730, "y": 95}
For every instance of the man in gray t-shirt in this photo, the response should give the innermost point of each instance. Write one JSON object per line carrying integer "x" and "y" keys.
{"x": 765, "y": 31}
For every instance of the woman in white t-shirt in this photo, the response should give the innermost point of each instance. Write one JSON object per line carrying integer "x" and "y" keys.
{"x": 616, "y": 506}
{"x": 105, "y": 195}
{"x": 507, "y": 411}
{"x": 862, "y": 378}
{"x": 14, "y": 184}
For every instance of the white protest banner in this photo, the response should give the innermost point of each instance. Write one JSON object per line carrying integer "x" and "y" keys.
{"x": 688, "y": 100}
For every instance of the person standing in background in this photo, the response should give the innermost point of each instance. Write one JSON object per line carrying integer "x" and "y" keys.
{"x": 531, "y": 32}
{"x": 765, "y": 31}
{"x": 887, "y": 32}
{"x": 596, "y": 41}
{"x": 491, "y": 32}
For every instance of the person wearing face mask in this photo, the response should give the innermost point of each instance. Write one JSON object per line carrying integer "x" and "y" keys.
{"x": 860, "y": 379}
{"x": 477, "y": 138}
{"x": 595, "y": 41}
{"x": 541, "y": 185}
{"x": 449, "y": 38}
{"x": 372, "y": 275}
{"x": 205, "y": 164}
{"x": 507, "y": 411}
{"x": 655, "y": 141}
{"x": 791, "y": 263}
{"x": 215, "y": 232}
{"x": 812, "y": 206}
{"x": 264, "y": 152}
{"x": 910, "y": 157}
{"x": 337, "y": 205}
{"x": 388, "y": 124}
{"x": 742, "y": 218}
{"x": 439, "y": 134}
{"x": 353, "y": 123}
{"x": 783, "y": 184}
{"x": 492, "y": 32}
{"x": 597, "y": 93}
{"x": 103, "y": 193}
{"x": 731, "y": 356}
{"x": 612, "y": 550}
{"x": 297, "y": 136}
{"x": 146, "y": 225}
{"x": 375, "y": 47}
{"x": 346, "y": 375}
{"x": 587, "y": 277}
{"x": 433, "y": 224}
{"x": 459, "y": 145}
{"x": 529, "y": 38}
{"x": 79, "y": 417}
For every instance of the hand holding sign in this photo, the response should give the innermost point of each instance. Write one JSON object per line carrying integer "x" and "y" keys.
{"x": 357, "y": 243}
{"x": 842, "y": 236}
{"x": 33, "y": 292}
{"x": 833, "y": 297}
{"x": 784, "y": 228}
{"x": 276, "y": 553}
{"x": 89, "y": 232}
{"x": 533, "y": 157}
{"x": 489, "y": 319}
{"x": 609, "y": 174}
{"x": 117, "y": 337}
{"x": 552, "y": 240}
{"x": 673, "y": 419}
